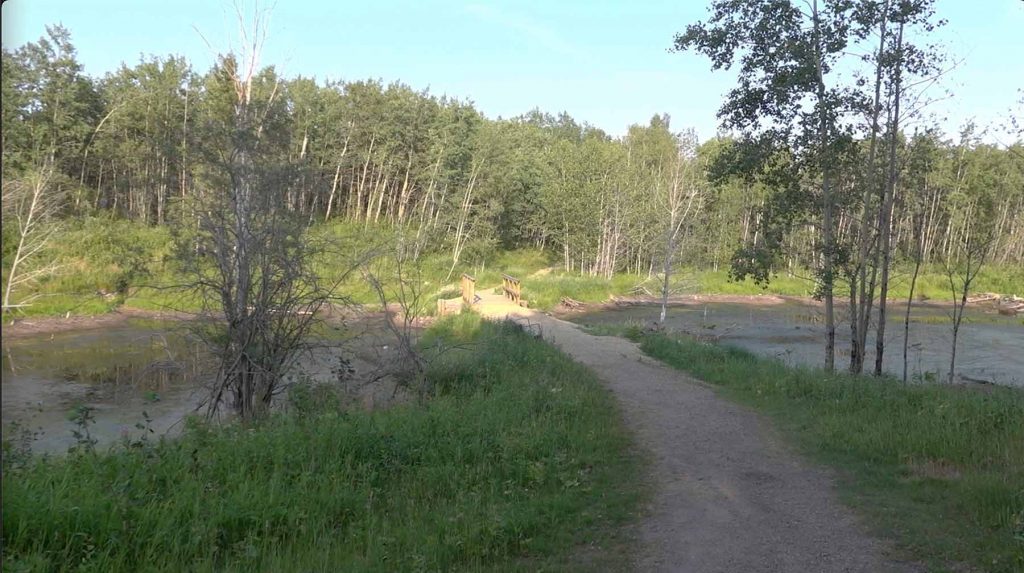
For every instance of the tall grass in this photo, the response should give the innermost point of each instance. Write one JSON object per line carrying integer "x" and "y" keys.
{"x": 517, "y": 459}
{"x": 938, "y": 468}
{"x": 546, "y": 291}
{"x": 100, "y": 261}
{"x": 106, "y": 263}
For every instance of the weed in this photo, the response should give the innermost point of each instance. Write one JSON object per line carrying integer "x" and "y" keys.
{"x": 82, "y": 416}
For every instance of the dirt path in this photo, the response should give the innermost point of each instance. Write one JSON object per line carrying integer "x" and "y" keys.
{"x": 728, "y": 496}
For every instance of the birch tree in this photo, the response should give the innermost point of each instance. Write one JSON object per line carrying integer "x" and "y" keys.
{"x": 787, "y": 54}
{"x": 30, "y": 204}
{"x": 679, "y": 201}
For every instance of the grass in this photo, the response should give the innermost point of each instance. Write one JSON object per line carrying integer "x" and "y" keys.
{"x": 100, "y": 262}
{"x": 516, "y": 461}
{"x": 546, "y": 292}
{"x": 939, "y": 469}
{"x": 932, "y": 283}
{"x": 108, "y": 263}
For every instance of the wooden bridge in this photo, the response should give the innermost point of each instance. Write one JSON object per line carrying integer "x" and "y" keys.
{"x": 510, "y": 293}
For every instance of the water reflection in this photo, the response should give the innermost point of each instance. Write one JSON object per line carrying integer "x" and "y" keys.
{"x": 139, "y": 373}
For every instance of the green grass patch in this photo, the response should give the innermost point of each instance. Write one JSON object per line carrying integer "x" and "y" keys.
{"x": 101, "y": 262}
{"x": 932, "y": 283}
{"x": 546, "y": 292}
{"x": 630, "y": 330}
{"x": 517, "y": 460}
{"x": 105, "y": 263}
{"x": 938, "y": 468}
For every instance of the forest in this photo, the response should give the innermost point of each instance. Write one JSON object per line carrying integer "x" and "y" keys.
{"x": 137, "y": 144}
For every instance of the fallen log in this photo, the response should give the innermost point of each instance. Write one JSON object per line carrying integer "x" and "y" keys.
{"x": 1011, "y": 309}
{"x": 985, "y": 297}
{"x": 571, "y": 303}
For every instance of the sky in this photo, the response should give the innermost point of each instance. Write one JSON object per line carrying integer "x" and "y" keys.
{"x": 604, "y": 62}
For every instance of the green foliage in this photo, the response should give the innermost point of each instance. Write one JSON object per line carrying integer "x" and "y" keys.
{"x": 375, "y": 160}
{"x": 932, "y": 283}
{"x": 546, "y": 292}
{"x": 518, "y": 458}
{"x": 101, "y": 263}
{"x": 939, "y": 469}
{"x": 120, "y": 253}
{"x": 133, "y": 263}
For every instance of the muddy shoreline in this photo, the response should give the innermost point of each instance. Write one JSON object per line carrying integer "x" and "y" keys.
{"x": 42, "y": 325}
{"x": 34, "y": 326}
{"x": 618, "y": 302}
{"x": 134, "y": 367}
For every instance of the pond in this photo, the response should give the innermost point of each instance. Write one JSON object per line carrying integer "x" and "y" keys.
{"x": 990, "y": 347}
{"x": 136, "y": 373}
{"x": 154, "y": 373}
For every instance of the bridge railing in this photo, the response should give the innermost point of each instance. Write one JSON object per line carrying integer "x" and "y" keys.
{"x": 468, "y": 289}
{"x": 512, "y": 287}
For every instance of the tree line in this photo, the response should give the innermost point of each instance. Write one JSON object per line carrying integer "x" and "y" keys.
{"x": 135, "y": 143}
{"x": 138, "y": 143}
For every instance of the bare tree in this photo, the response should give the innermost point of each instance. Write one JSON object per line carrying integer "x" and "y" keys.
{"x": 961, "y": 272}
{"x": 254, "y": 271}
{"x": 403, "y": 302}
{"x": 461, "y": 228}
{"x": 29, "y": 204}
{"x": 682, "y": 192}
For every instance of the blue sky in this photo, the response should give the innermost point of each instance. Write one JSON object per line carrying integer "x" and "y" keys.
{"x": 605, "y": 62}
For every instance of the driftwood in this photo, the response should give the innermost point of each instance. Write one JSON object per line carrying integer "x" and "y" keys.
{"x": 297, "y": 312}
{"x": 571, "y": 303}
{"x": 640, "y": 290}
{"x": 1011, "y": 308}
{"x": 975, "y": 380}
{"x": 985, "y": 297}
{"x": 620, "y": 301}
{"x": 1009, "y": 305}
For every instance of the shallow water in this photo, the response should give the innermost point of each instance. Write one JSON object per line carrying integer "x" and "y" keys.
{"x": 142, "y": 368}
{"x": 990, "y": 346}
{"x": 122, "y": 374}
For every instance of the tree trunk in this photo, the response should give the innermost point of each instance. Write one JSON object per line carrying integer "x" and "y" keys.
{"x": 885, "y": 220}
{"x": 824, "y": 139}
{"x": 861, "y": 309}
{"x": 918, "y": 255}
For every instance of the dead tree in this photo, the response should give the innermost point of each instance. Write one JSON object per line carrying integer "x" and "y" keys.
{"x": 254, "y": 268}
{"x": 29, "y": 205}
{"x": 397, "y": 280}
{"x": 681, "y": 199}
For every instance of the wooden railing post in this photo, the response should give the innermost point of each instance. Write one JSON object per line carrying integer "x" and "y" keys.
{"x": 512, "y": 288}
{"x": 468, "y": 289}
